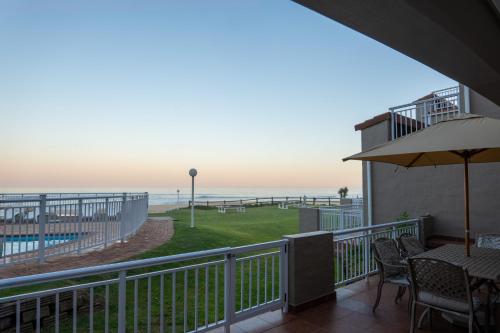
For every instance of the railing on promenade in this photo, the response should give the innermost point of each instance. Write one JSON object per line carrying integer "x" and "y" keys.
{"x": 340, "y": 217}
{"x": 190, "y": 292}
{"x": 34, "y": 227}
{"x": 352, "y": 251}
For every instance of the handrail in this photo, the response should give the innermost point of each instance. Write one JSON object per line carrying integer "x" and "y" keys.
{"x": 374, "y": 227}
{"x": 217, "y": 274}
{"x": 134, "y": 264}
{"x": 36, "y": 197}
{"x": 354, "y": 258}
{"x": 107, "y": 268}
{"x": 422, "y": 101}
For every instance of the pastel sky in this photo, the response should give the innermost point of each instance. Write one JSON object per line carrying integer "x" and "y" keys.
{"x": 134, "y": 93}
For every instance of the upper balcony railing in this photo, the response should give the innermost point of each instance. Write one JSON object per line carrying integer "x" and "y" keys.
{"x": 437, "y": 106}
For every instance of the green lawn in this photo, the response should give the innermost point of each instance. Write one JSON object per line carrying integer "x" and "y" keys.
{"x": 213, "y": 230}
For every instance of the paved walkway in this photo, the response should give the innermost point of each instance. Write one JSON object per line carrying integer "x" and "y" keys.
{"x": 154, "y": 232}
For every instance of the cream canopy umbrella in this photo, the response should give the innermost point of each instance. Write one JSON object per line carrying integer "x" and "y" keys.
{"x": 467, "y": 138}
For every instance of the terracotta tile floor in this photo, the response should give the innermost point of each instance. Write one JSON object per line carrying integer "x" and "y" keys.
{"x": 350, "y": 312}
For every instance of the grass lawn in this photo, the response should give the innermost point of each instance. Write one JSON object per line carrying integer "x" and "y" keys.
{"x": 216, "y": 230}
{"x": 213, "y": 230}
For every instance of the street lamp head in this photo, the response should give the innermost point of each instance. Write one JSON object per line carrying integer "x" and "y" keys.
{"x": 193, "y": 172}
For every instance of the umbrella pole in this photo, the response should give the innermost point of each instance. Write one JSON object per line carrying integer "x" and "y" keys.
{"x": 466, "y": 196}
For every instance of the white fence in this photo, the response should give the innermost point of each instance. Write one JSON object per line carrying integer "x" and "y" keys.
{"x": 438, "y": 106}
{"x": 352, "y": 251}
{"x": 34, "y": 227}
{"x": 190, "y": 292}
{"x": 340, "y": 217}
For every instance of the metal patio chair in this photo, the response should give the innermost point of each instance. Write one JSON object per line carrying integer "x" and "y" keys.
{"x": 410, "y": 245}
{"x": 440, "y": 285}
{"x": 391, "y": 268}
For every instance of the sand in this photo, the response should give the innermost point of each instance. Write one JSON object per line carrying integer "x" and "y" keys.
{"x": 164, "y": 208}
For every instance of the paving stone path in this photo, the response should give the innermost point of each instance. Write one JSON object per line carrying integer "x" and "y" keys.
{"x": 154, "y": 232}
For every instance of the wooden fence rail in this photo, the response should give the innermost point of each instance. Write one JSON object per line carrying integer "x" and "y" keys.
{"x": 258, "y": 201}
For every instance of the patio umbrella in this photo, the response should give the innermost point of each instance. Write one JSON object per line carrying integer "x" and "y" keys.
{"x": 467, "y": 138}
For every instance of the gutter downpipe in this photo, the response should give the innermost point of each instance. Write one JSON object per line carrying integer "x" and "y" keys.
{"x": 369, "y": 192}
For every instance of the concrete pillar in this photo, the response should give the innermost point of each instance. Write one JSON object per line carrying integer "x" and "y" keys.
{"x": 310, "y": 269}
{"x": 308, "y": 219}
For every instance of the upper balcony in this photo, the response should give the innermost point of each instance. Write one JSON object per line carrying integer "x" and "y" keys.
{"x": 426, "y": 111}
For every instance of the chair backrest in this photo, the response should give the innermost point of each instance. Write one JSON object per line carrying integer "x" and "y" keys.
{"x": 386, "y": 252}
{"x": 410, "y": 245}
{"x": 440, "y": 279}
{"x": 491, "y": 241}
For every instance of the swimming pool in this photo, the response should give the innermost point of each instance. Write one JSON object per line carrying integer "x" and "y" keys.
{"x": 25, "y": 243}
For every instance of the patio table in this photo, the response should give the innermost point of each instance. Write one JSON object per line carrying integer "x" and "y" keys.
{"x": 483, "y": 263}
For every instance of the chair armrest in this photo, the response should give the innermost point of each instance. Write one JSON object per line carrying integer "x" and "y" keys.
{"x": 476, "y": 283}
{"x": 394, "y": 266}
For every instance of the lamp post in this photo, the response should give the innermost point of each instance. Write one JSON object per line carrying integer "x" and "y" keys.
{"x": 193, "y": 174}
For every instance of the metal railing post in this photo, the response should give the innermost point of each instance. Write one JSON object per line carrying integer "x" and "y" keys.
{"x": 367, "y": 255}
{"x": 393, "y": 124}
{"x": 284, "y": 277}
{"x": 42, "y": 219}
{"x": 122, "y": 299}
{"x": 80, "y": 222}
{"x": 106, "y": 223}
{"x": 123, "y": 217}
{"x": 419, "y": 225}
{"x": 341, "y": 215}
{"x": 229, "y": 290}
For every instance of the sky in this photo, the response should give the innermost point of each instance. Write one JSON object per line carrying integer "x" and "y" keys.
{"x": 253, "y": 93}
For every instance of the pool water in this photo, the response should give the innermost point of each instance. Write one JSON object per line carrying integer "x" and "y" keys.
{"x": 26, "y": 243}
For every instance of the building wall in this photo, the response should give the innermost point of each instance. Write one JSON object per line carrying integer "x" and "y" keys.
{"x": 438, "y": 191}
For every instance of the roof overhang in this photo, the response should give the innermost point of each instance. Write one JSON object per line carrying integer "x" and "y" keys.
{"x": 459, "y": 38}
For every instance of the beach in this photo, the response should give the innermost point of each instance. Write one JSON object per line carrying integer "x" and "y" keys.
{"x": 165, "y": 208}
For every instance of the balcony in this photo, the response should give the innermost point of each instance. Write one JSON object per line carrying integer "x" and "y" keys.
{"x": 241, "y": 289}
{"x": 438, "y": 106}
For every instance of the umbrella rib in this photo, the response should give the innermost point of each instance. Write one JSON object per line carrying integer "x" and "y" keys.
{"x": 415, "y": 160}
{"x": 477, "y": 151}
{"x": 457, "y": 153}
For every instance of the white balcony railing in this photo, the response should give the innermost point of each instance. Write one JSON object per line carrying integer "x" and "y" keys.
{"x": 189, "y": 292}
{"x": 340, "y": 217}
{"x": 37, "y": 226}
{"x": 438, "y": 106}
{"x": 352, "y": 251}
